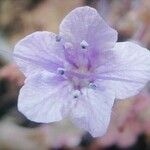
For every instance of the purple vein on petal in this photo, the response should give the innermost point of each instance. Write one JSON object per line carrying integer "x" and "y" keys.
{"x": 117, "y": 79}
{"x": 70, "y": 58}
{"x": 46, "y": 64}
{"x": 121, "y": 70}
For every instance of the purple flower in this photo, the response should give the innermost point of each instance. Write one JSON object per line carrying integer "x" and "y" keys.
{"x": 79, "y": 72}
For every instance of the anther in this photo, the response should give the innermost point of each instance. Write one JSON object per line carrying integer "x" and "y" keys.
{"x": 61, "y": 71}
{"x": 84, "y": 44}
{"x": 76, "y": 94}
{"x": 92, "y": 85}
{"x": 58, "y": 38}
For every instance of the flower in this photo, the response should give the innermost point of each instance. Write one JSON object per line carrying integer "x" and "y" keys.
{"x": 79, "y": 72}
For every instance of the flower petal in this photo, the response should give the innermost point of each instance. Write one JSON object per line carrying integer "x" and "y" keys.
{"x": 84, "y": 24}
{"x": 42, "y": 101}
{"x": 93, "y": 111}
{"x": 38, "y": 51}
{"x": 128, "y": 71}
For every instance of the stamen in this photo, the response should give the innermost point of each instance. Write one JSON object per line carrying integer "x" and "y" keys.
{"x": 84, "y": 44}
{"x": 58, "y": 38}
{"x": 76, "y": 94}
{"x": 61, "y": 71}
{"x": 92, "y": 86}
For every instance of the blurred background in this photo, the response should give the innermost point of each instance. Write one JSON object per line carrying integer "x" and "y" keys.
{"x": 130, "y": 124}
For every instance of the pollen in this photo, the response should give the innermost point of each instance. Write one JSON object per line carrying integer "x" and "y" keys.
{"x": 92, "y": 85}
{"x": 76, "y": 94}
{"x": 61, "y": 71}
{"x": 58, "y": 38}
{"x": 84, "y": 44}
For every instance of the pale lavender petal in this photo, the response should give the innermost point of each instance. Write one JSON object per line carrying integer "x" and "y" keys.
{"x": 89, "y": 35}
{"x": 41, "y": 100}
{"x": 39, "y": 51}
{"x": 84, "y": 24}
{"x": 128, "y": 72}
{"x": 93, "y": 111}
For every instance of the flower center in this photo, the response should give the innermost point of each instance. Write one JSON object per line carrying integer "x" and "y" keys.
{"x": 78, "y": 79}
{"x": 77, "y": 72}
